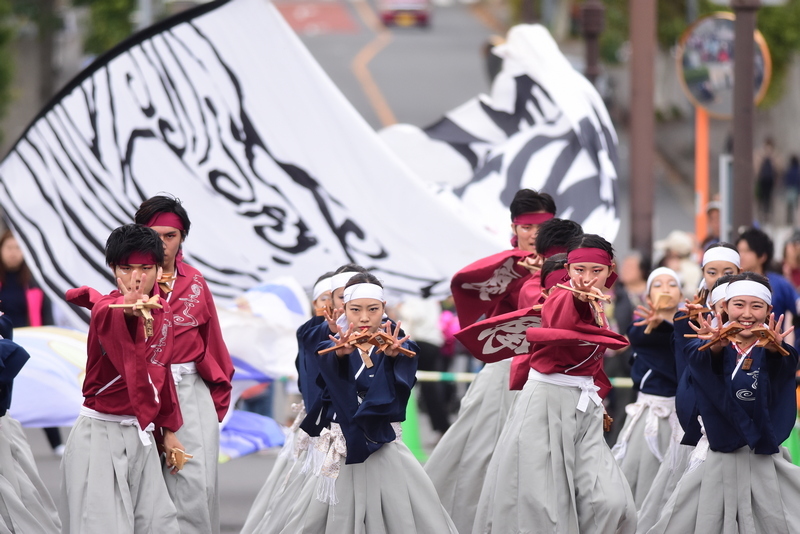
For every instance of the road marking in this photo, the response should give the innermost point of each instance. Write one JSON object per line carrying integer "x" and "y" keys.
{"x": 360, "y": 64}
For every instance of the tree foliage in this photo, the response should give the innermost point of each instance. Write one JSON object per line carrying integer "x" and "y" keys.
{"x": 110, "y": 21}
{"x": 779, "y": 25}
{"x": 6, "y": 56}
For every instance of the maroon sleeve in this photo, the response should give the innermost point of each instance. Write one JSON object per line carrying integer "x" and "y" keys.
{"x": 84, "y": 296}
{"x": 531, "y": 291}
{"x": 143, "y": 363}
{"x": 563, "y": 310}
{"x": 216, "y": 366}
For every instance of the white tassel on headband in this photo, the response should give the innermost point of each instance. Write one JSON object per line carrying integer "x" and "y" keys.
{"x": 363, "y": 291}
{"x": 721, "y": 254}
{"x": 718, "y": 294}
{"x": 321, "y": 287}
{"x": 748, "y": 288}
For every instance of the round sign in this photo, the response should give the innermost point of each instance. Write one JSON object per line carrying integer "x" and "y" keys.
{"x": 705, "y": 64}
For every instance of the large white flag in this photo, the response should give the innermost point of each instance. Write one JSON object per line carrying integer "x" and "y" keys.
{"x": 544, "y": 126}
{"x": 224, "y": 107}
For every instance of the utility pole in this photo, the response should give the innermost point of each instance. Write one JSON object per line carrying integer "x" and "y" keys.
{"x": 642, "y": 122}
{"x": 529, "y": 11}
{"x": 593, "y": 21}
{"x": 743, "y": 112}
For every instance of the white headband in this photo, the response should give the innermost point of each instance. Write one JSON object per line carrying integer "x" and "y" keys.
{"x": 718, "y": 293}
{"x": 321, "y": 287}
{"x": 721, "y": 254}
{"x": 363, "y": 291}
{"x": 748, "y": 288}
{"x": 341, "y": 279}
{"x": 659, "y": 272}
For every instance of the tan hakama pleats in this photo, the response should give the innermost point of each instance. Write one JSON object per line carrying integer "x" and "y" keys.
{"x": 389, "y": 493}
{"x": 194, "y": 489}
{"x": 650, "y": 427}
{"x": 669, "y": 474}
{"x": 285, "y": 482}
{"x": 552, "y": 471}
{"x": 112, "y": 482}
{"x": 457, "y": 467}
{"x": 735, "y": 493}
{"x": 25, "y": 504}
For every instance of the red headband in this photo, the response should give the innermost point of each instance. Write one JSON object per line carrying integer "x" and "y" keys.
{"x": 590, "y": 255}
{"x": 166, "y": 218}
{"x": 140, "y": 258}
{"x": 555, "y": 277}
{"x": 593, "y": 255}
{"x": 532, "y": 218}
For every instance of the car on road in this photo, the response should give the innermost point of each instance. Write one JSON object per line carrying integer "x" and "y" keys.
{"x": 405, "y": 12}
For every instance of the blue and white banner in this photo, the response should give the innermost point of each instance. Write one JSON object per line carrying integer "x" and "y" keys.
{"x": 544, "y": 126}
{"x": 224, "y": 107}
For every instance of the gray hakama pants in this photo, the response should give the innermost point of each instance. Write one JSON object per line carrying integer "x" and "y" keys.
{"x": 552, "y": 471}
{"x": 389, "y": 493}
{"x": 672, "y": 468}
{"x": 457, "y": 467}
{"x": 650, "y": 427}
{"x": 736, "y": 492}
{"x": 285, "y": 482}
{"x": 112, "y": 482}
{"x": 25, "y": 503}
{"x": 194, "y": 488}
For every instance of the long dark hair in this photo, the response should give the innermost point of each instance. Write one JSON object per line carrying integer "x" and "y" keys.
{"x": 25, "y": 276}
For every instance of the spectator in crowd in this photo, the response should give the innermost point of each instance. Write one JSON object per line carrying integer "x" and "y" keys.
{"x": 420, "y": 320}
{"x": 629, "y": 292}
{"x": 756, "y": 251}
{"x": 678, "y": 248}
{"x": 24, "y": 303}
{"x": 766, "y": 171}
{"x": 791, "y": 183}
{"x": 714, "y": 224}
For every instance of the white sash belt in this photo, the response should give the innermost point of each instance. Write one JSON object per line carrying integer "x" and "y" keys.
{"x": 700, "y": 451}
{"x": 124, "y": 420}
{"x": 584, "y": 383}
{"x": 660, "y": 408}
{"x": 180, "y": 369}
{"x": 332, "y": 445}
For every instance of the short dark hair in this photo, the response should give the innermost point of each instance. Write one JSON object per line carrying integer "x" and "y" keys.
{"x": 552, "y": 264}
{"x": 363, "y": 278}
{"x": 350, "y": 268}
{"x": 755, "y": 277}
{"x": 556, "y": 233}
{"x": 324, "y": 276}
{"x": 162, "y": 204}
{"x": 590, "y": 241}
{"x": 529, "y": 201}
{"x": 131, "y": 238}
{"x": 759, "y": 242}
